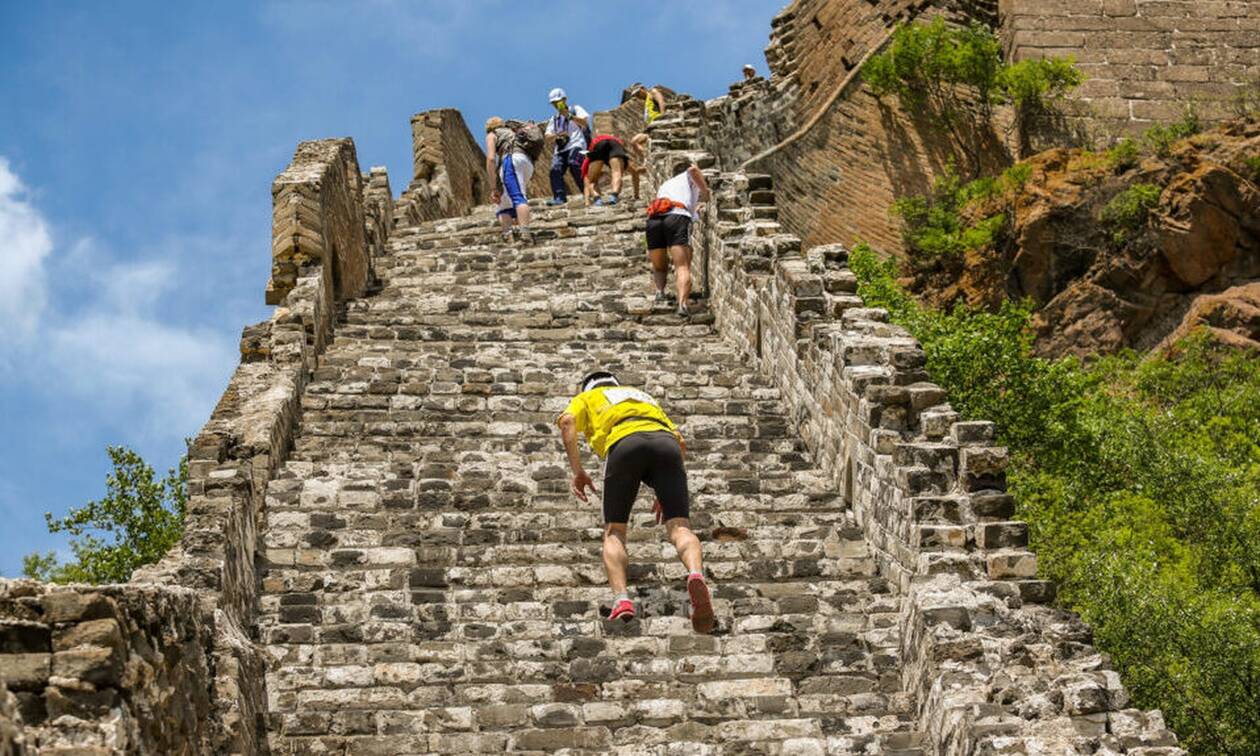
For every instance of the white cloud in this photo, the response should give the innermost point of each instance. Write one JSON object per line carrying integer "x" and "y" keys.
{"x": 108, "y": 347}
{"x": 25, "y": 243}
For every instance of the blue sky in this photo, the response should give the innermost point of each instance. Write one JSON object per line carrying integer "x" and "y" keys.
{"x": 138, "y": 141}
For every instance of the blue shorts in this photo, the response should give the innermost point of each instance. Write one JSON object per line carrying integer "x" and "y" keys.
{"x": 515, "y": 172}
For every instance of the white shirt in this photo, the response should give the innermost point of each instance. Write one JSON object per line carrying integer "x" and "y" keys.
{"x": 564, "y": 124}
{"x": 681, "y": 189}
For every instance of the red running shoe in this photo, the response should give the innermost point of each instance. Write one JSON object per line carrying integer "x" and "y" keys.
{"x": 701, "y": 605}
{"x": 622, "y": 610}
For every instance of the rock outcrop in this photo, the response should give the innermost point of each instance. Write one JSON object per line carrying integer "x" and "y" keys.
{"x": 1098, "y": 288}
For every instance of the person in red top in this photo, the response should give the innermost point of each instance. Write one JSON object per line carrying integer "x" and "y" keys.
{"x": 609, "y": 151}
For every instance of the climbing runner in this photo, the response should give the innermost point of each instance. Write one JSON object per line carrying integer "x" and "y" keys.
{"x": 508, "y": 160}
{"x": 653, "y": 108}
{"x": 749, "y": 72}
{"x": 570, "y": 129}
{"x": 607, "y": 151}
{"x": 640, "y": 444}
{"x": 669, "y": 231}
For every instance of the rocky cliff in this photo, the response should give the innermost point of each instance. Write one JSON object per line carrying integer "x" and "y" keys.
{"x": 1100, "y": 279}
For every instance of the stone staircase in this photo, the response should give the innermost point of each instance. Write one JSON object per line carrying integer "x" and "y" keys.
{"x": 429, "y": 584}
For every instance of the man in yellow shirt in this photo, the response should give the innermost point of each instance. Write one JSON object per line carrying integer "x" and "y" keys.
{"x": 640, "y": 444}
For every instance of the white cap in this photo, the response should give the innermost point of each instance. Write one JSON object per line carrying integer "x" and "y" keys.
{"x": 556, "y": 95}
{"x": 748, "y": 66}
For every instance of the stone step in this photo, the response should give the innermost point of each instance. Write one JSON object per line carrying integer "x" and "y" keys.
{"x": 430, "y": 585}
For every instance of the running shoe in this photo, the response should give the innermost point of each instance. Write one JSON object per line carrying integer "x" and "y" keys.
{"x": 683, "y": 312}
{"x": 624, "y": 610}
{"x": 554, "y": 201}
{"x": 701, "y": 605}
{"x": 599, "y": 202}
{"x": 661, "y": 298}
{"x": 612, "y": 199}
{"x": 527, "y": 237}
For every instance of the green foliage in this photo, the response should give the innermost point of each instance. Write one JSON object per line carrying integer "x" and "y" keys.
{"x": 1252, "y": 163}
{"x": 934, "y": 225}
{"x": 958, "y": 75}
{"x": 1127, "y": 211}
{"x": 1124, "y": 155}
{"x": 1140, "y": 478}
{"x": 924, "y": 59}
{"x": 1031, "y": 85}
{"x": 140, "y": 518}
{"x": 1160, "y": 139}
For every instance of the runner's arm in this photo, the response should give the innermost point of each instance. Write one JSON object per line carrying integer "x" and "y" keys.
{"x": 698, "y": 178}
{"x": 568, "y": 433}
{"x": 490, "y": 172}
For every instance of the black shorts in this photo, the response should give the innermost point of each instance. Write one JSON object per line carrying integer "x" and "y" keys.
{"x": 645, "y": 457}
{"x": 671, "y": 230}
{"x": 606, "y": 150}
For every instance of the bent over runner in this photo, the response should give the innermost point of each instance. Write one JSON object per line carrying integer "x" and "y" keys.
{"x": 640, "y": 444}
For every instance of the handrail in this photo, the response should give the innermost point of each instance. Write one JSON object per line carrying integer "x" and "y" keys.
{"x": 844, "y": 83}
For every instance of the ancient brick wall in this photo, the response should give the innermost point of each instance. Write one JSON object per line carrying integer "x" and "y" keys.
{"x": 927, "y": 489}
{"x": 839, "y": 157}
{"x": 201, "y": 599}
{"x": 1146, "y": 59}
{"x": 448, "y": 167}
{"x": 317, "y": 217}
{"x": 122, "y": 668}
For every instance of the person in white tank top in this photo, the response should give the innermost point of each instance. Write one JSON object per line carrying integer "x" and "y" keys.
{"x": 669, "y": 233}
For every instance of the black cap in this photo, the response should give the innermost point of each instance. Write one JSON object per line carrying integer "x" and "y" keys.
{"x": 596, "y": 377}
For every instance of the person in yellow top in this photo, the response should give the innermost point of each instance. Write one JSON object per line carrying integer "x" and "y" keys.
{"x": 653, "y": 108}
{"x": 640, "y": 444}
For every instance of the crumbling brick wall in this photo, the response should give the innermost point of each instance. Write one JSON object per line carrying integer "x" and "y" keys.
{"x": 200, "y": 601}
{"x": 118, "y": 667}
{"x": 317, "y": 217}
{"x": 448, "y": 167}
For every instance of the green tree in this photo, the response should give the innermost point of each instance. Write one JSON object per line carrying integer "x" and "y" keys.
{"x": 136, "y": 523}
{"x": 1139, "y": 476}
{"x": 957, "y": 74}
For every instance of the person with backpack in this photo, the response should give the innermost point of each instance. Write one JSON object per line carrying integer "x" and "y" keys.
{"x": 669, "y": 231}
{"x": 607, "y": 151}
{"x": 640, "y": 444}
{"x": 511, "y": 149}
{"x": 569, "y": 129}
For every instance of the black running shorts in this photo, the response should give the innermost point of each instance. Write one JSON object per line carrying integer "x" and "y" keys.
{"x": 645, "y": 457}
{"x": 672, "y": 230}
{"x": 606, "y": 150}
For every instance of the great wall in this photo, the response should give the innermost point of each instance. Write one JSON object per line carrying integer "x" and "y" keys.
{"x": 382, "y": 555}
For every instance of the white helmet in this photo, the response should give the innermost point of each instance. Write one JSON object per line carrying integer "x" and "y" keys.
{"x": 556, "y": 95}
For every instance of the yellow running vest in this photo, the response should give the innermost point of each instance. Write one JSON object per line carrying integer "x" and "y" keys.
{"x": 650, "y": 111}
{"x": 601, "y": 413}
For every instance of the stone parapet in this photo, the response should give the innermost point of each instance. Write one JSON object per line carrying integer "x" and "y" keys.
{"x": 378, "y": 210}
{"x": 317, "y": 219}
{"x": 926, "y": 487}
{"x": 330, "y": 223}
{"x": 448, "y": 167}
{"x": 104, "y": 669}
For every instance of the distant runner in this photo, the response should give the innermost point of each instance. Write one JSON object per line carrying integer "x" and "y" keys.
{"x": 669, "y": 231}
{"x": 653, "y": 108}
{"x": 508, "y": 160}
{"x": 640, "y": 444}
{"x": 570, "y": 130}
{"x": 607, "y": 151}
